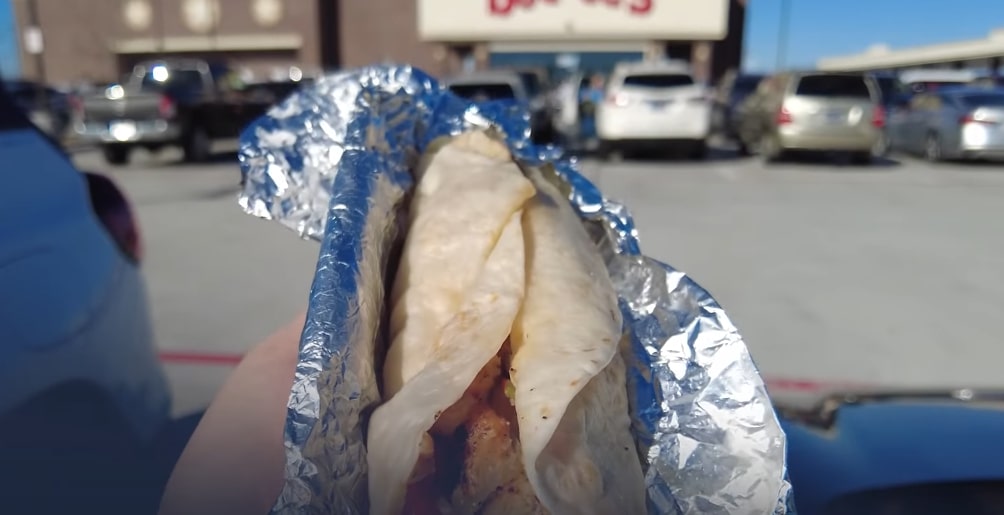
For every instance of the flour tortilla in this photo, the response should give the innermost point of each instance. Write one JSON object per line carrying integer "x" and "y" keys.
{"x": 571, "y": 393}
{"x": 491, "y": 254}
{"x": 457, "y": 292}
{"x": 467, "y": 192}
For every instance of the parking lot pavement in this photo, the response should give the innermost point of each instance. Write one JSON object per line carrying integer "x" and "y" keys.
{"x": 887, "y": 274}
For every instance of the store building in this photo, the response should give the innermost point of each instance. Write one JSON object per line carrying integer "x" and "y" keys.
{"x": 98, "y": 40}
{"x": 589, "y": 33}
{"x": 986, "y": 54}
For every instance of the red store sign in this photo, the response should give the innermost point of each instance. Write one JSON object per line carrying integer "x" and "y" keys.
{"x": 571, "y": 20}
{"x": 505, "y": 7}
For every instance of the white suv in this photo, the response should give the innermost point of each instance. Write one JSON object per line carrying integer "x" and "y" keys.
{"x": 654, "y": 104}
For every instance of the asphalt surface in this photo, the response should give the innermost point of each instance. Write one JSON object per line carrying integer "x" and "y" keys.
{"x": 835, "y": 275}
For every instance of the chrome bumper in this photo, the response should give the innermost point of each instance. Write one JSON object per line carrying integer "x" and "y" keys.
{"x": 128, "y": 131}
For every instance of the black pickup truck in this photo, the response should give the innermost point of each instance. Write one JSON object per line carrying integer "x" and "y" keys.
{"x": 187, "y": 103}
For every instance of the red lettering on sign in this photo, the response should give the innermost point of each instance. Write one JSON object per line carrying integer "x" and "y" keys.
{"x": 505, "y": 7}
{"x": 640, "y": 7}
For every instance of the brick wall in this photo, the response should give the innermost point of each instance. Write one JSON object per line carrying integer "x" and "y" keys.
{"x": 80, "y": 34}
{"x": 374, "y": 31}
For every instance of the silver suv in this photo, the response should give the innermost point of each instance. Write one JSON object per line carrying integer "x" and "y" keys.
{"x": 813, "y": 111}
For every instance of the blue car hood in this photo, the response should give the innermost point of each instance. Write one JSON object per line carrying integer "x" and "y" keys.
{"x": 882, "y": 445}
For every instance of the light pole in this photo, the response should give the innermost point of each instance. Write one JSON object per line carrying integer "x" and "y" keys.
{"x": 782, "y": 34}
{"x": 37, "y": 48}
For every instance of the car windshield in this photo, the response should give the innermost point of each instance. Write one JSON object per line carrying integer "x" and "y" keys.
{"x": 933, "y": 85}
{"x": 888, "y": 87}
{"x": 484, "y": 92}
{"x": 848, "y": 86}
{"x": 531, "y": 82}
{"x": 658, "y": 80}
{"x": 983, "y": 100}
{"x": 745, "y": 85}
{"x": 161, "y": 78}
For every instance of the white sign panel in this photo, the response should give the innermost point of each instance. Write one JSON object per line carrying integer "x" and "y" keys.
{"x": 33, "y": 43}
{"x": 558, "y": 20}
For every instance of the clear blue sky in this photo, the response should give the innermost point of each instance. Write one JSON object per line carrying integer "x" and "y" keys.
{"x": 8, "y": 41}
{"x": 819, "y": 28}
{"x": 822, "y": 28}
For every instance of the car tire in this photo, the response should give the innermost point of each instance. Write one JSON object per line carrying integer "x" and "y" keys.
{"x": 933, "y": 151}
{"x": 861, "y": 158}
{"x": 742, "y": 148}
{"x": 610, "y": 152}
{"x": 116, "y": 154}
{"x": 770, "y": 149}
{"x": 883, "y": 146}
{"x": 198, "y": 146}
{"x": 699, "y": 150}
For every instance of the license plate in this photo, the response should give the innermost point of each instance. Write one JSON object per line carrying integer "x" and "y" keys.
{"x": 658, "y": 104}
{"x": 835, "y": 117}
{"x": 122, "y": 130}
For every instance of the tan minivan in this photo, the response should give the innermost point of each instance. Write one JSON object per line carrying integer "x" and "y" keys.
{"x": 812, "y": 111}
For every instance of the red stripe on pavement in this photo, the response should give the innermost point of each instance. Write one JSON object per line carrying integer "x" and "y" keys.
{"x": 808, "y": 386}
{"x": 200, "y": 358}
{"x": 773, "y": 383}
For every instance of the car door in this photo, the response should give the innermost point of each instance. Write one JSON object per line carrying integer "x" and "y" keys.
{"x": 750, "y": 112}
{"x": 915, "y": 126}
{"x": 898, "y": 121}
{"x": 229, "y": 104}
{"x": 945, "y": 122}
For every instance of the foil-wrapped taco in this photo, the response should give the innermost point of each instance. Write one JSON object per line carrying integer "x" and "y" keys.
{"x": 470, "y": 281}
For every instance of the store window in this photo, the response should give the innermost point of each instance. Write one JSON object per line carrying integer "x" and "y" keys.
{"x": 555, "y": 62}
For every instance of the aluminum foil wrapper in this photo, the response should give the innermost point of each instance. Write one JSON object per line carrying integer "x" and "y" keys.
{"x": 332, "y": 163}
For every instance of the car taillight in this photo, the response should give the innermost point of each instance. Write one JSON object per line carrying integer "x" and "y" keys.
{"x": 113, "y": 210}
{"x": 878, "y": 117}
{"x": 76, "y": 106}
{"x": 617, "y": 99}
{"x": 783, "y": 116}
{"x": 166, "y": 107}
{"x": 975, "y": 118}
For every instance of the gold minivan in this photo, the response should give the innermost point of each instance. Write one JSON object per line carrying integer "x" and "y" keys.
{"x": 813, "y": 111}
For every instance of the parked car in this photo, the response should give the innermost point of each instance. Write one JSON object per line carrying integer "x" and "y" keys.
{"x": 567, "y": 116}
{"x": 46, "y": 107}
{"x": 731, "y": 91}
{"x": 897, "y": 451}
{"x": 542, "y": 106}
{"x": 177, "y": 102}
{"x": 654, "y": 104}
{"x": 813, "y": 111}
{"x": 84, "y": 401}
{"x": 492, "y": 85}
{"x": 891, "y": 94}
{"x": 988, "y": 82}
{"x": 952, "y": 123}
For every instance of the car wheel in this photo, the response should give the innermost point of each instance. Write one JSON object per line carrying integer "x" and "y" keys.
{"x": 742, "y": 148}
{"x": 116, "y": 154}
{"x": 197, "y": 146}
{"x": 610, "y": 153}
{"x": 699, "y": 150}
{"x": 932, "y": 148}
{"x": 861, "y": 158}
{"x": 770, "y": 149}
{"x": 883, "y": 146}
